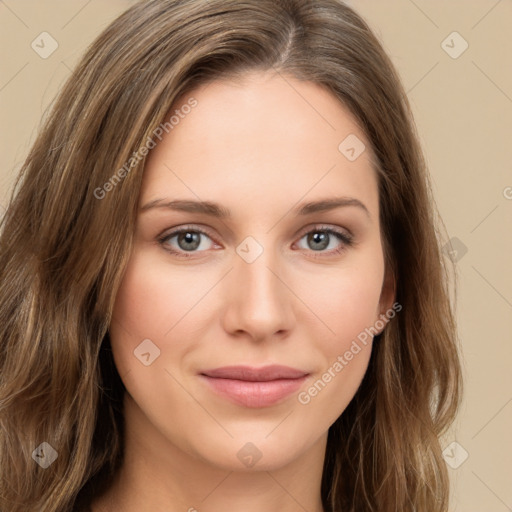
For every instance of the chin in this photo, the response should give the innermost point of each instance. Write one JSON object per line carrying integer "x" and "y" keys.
{"x": 245, "y": 455}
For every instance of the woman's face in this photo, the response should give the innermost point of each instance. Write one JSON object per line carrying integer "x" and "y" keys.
{"x": 268, "y": 274}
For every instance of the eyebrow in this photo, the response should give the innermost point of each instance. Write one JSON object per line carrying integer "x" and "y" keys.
{"x": 216, "y": 210}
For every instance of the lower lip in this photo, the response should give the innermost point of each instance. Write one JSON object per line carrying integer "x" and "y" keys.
{"x": 255, "y": 394}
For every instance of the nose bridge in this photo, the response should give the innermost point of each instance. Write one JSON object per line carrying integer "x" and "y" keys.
{"x": 258, "y": 301}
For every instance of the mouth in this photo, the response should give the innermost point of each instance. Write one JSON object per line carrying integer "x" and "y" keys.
{"x": 254, "y": 387}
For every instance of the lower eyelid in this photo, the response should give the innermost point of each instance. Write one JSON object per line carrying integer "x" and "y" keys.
{"x": 343, "y": 238}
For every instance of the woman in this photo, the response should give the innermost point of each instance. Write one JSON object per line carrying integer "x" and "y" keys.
{"x": 221, "y": 284}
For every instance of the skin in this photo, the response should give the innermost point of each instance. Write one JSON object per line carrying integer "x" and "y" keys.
{"x": 260, "y": 147}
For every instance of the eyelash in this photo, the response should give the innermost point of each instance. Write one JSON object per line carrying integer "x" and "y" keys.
{"x": 347, "y": 240}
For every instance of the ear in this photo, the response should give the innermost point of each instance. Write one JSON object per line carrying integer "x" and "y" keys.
{"x": 387, "y": 296}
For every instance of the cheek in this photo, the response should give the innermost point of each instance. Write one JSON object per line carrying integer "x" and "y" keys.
{"x": 145, "y": 308}
{"x": 355, "y": 303}
{"x": 153, "y": 298}
{"x": 348, "y": 305}
{"x": 345, "y": 301}
{"x": 161, "y": 303}
{"x": 329, "y": 393}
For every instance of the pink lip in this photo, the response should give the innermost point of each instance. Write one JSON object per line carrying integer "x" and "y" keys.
{"x": 255, "y": 387}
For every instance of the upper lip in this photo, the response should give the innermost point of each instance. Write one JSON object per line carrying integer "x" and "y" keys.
{"x": 248, "y": 373}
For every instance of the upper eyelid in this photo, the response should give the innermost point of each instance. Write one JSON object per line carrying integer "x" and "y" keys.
{"x": 176, "y": 231}
{"x": 300, "y": 233}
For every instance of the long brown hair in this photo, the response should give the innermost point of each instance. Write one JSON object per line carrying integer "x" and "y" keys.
{"x": 64, "y": 247}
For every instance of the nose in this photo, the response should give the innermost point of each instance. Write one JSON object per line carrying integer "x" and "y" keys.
{"x": 258, "y": 302}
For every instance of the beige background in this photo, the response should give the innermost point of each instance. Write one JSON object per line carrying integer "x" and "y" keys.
{"x": 463, "y": 109}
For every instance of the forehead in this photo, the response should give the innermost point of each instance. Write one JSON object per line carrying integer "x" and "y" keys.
{"x": 266, "y": 136}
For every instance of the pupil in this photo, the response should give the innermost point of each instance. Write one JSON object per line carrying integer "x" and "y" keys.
{"x": 190, "y": 239}
{"x": 320, "y": 238}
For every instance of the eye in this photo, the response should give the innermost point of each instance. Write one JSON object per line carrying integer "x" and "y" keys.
{"x": 187, "y": 240}
{"x": 322, "y": 237}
